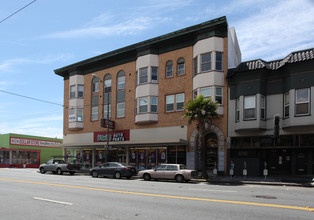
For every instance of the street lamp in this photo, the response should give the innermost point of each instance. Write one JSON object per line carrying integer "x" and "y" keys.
{"x": 95, "y": 76}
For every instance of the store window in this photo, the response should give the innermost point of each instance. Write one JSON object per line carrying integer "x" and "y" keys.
{"x": 249, "y": 107}
{"x": 169, "y": 69}
{"x": 302, "y": 102}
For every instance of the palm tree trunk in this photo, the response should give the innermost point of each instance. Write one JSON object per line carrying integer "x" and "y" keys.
{"x": 202, "y": 149}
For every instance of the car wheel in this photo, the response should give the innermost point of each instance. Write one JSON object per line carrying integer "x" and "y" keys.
{"x": 117, "y": 175}
{"x": 146, "y": 176}
{"x": 179, "y": 178}
{"x": 59, "y": 171}
{"x": 94, "y": 174}
{"x": 42, "y": 170}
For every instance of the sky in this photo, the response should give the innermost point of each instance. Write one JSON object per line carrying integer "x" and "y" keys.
{"x": 50, "y": 34}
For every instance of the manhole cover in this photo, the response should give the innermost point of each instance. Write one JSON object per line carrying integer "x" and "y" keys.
{"x": 265, "y": 197}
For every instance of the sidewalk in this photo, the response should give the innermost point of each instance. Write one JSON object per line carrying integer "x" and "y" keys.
{"x": 272, "y": 180}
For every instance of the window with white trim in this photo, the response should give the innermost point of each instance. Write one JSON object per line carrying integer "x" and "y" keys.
{"x": 179, "y": 101}
{"x": 121, "y": 94}
{"x": 169, "y": 69}
{"x": 169, "y": 103}
{"x": 143, "y": 74}
{"x": 154, "y": 104}
{"x": 95, "y": 85}
{"x": 206, "y": 92}
{"x": 80, "y": 112}
{"x": 286, "y": 105}
{"x": 72, "y": 91}
{"x": 143, "y": 105}
{"x": 249, "y": 107}
{"x": 302, "y": 102}
{"x": 80, "y": 91}
{"x": 72, "y": 116}
{"x": 206, "y": 62}
{"x": 181, "y": 67}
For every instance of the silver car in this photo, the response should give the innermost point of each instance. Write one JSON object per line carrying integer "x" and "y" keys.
{"x": 176, "y": 172}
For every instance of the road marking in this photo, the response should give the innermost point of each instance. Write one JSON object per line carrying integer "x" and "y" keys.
{"x": 168, "y": 196}
{"x": 215, "y": 190}
{"x": 54, "y": 201}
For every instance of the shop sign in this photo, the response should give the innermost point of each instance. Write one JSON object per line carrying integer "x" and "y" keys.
{"x": 122, "y": 135}
{"x": 31, "y": 142}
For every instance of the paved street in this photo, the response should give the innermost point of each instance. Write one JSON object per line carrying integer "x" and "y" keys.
{"x": 27, "y": 194}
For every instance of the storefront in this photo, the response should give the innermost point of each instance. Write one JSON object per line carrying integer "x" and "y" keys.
{"x": 27, "y": 151}
{"x": 143, "y": 155}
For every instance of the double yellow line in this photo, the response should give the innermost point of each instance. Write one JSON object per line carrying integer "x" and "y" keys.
{"x": 167, "y": 196}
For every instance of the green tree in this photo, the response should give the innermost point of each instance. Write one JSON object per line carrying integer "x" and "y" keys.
{"x": 201, "y": 110}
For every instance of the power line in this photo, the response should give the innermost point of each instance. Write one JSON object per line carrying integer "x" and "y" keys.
{"x": 18, "y": 11}
{"x": 27, "y": 97}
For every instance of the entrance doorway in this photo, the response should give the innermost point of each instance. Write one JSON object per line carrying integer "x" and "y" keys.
{"x": 211, "y": 144}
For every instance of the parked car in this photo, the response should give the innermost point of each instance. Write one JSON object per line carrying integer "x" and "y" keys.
{"x": 58, "y": 166}
{"x": 113, "y": 169}
{"x": 177, "y": 172}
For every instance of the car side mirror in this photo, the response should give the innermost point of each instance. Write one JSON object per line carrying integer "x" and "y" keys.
{"x": 154, "y": 169}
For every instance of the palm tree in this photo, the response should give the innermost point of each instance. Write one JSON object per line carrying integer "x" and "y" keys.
{"x": 201, "y": 110}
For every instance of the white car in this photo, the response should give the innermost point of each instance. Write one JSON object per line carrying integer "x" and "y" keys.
{"x": 177, "y": 172}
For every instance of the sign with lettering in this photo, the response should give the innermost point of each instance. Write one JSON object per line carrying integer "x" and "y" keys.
{"x": 31, "y": 142}
{"x": 122, "y": 135}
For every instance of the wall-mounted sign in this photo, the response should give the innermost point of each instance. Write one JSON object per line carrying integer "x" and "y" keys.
{"x": 31, "y": 142}
{"x": 122, "y": 135}
{"x": 105, "y": 122}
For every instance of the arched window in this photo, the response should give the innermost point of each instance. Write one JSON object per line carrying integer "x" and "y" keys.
{"x": 181, "y": 67}
{"x": 107, "y": 96}
{"x": 121, "y": 94}
{"x": 94, "y": 104}
{"x": 169, "y": 69}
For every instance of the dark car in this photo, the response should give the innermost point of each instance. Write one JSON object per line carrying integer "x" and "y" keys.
{"x": 113, "y": 169}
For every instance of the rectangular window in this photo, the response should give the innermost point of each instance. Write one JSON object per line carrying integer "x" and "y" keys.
{"x": 143, "y": 75}
{"x": 95, "y": 113}
{"x": 106, "y": 110}
{"x": 263, "y": 108}
{"x": 218, "y": 95}
{"x": 286, "y": 105}
{"x": 179, "y": 101}
{"x": 95, "y": 87}
{"x": 80, "y": 91}
{"x": 249, "y": 107}
{"x": 80, "y": 114}
{"x": 302, "y": 101}
{"x": 207, "y": 92}
{"x": 206, "y": 63}
{"x": 181, "y": 67}
{"x": 154, "y": 74}
{"x": 72, "y": 92}
{"x": 170, "y": 103}
{"x": 237, "y": 110}
{"x": 195, "y": 66}
{"x": 219, "y": 57}
{"x": 120, "y": 110}
{"x": 143, "y": 105}
{"x": 154, "y": 104}
{"x": 72, "y": 116}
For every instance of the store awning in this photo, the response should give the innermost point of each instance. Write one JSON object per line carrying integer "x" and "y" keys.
{"x": 153, "y": 143}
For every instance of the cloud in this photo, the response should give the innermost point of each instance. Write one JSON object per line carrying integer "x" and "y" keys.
{"x": 277, "y": 30}
{"x": 8, "y": 65}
